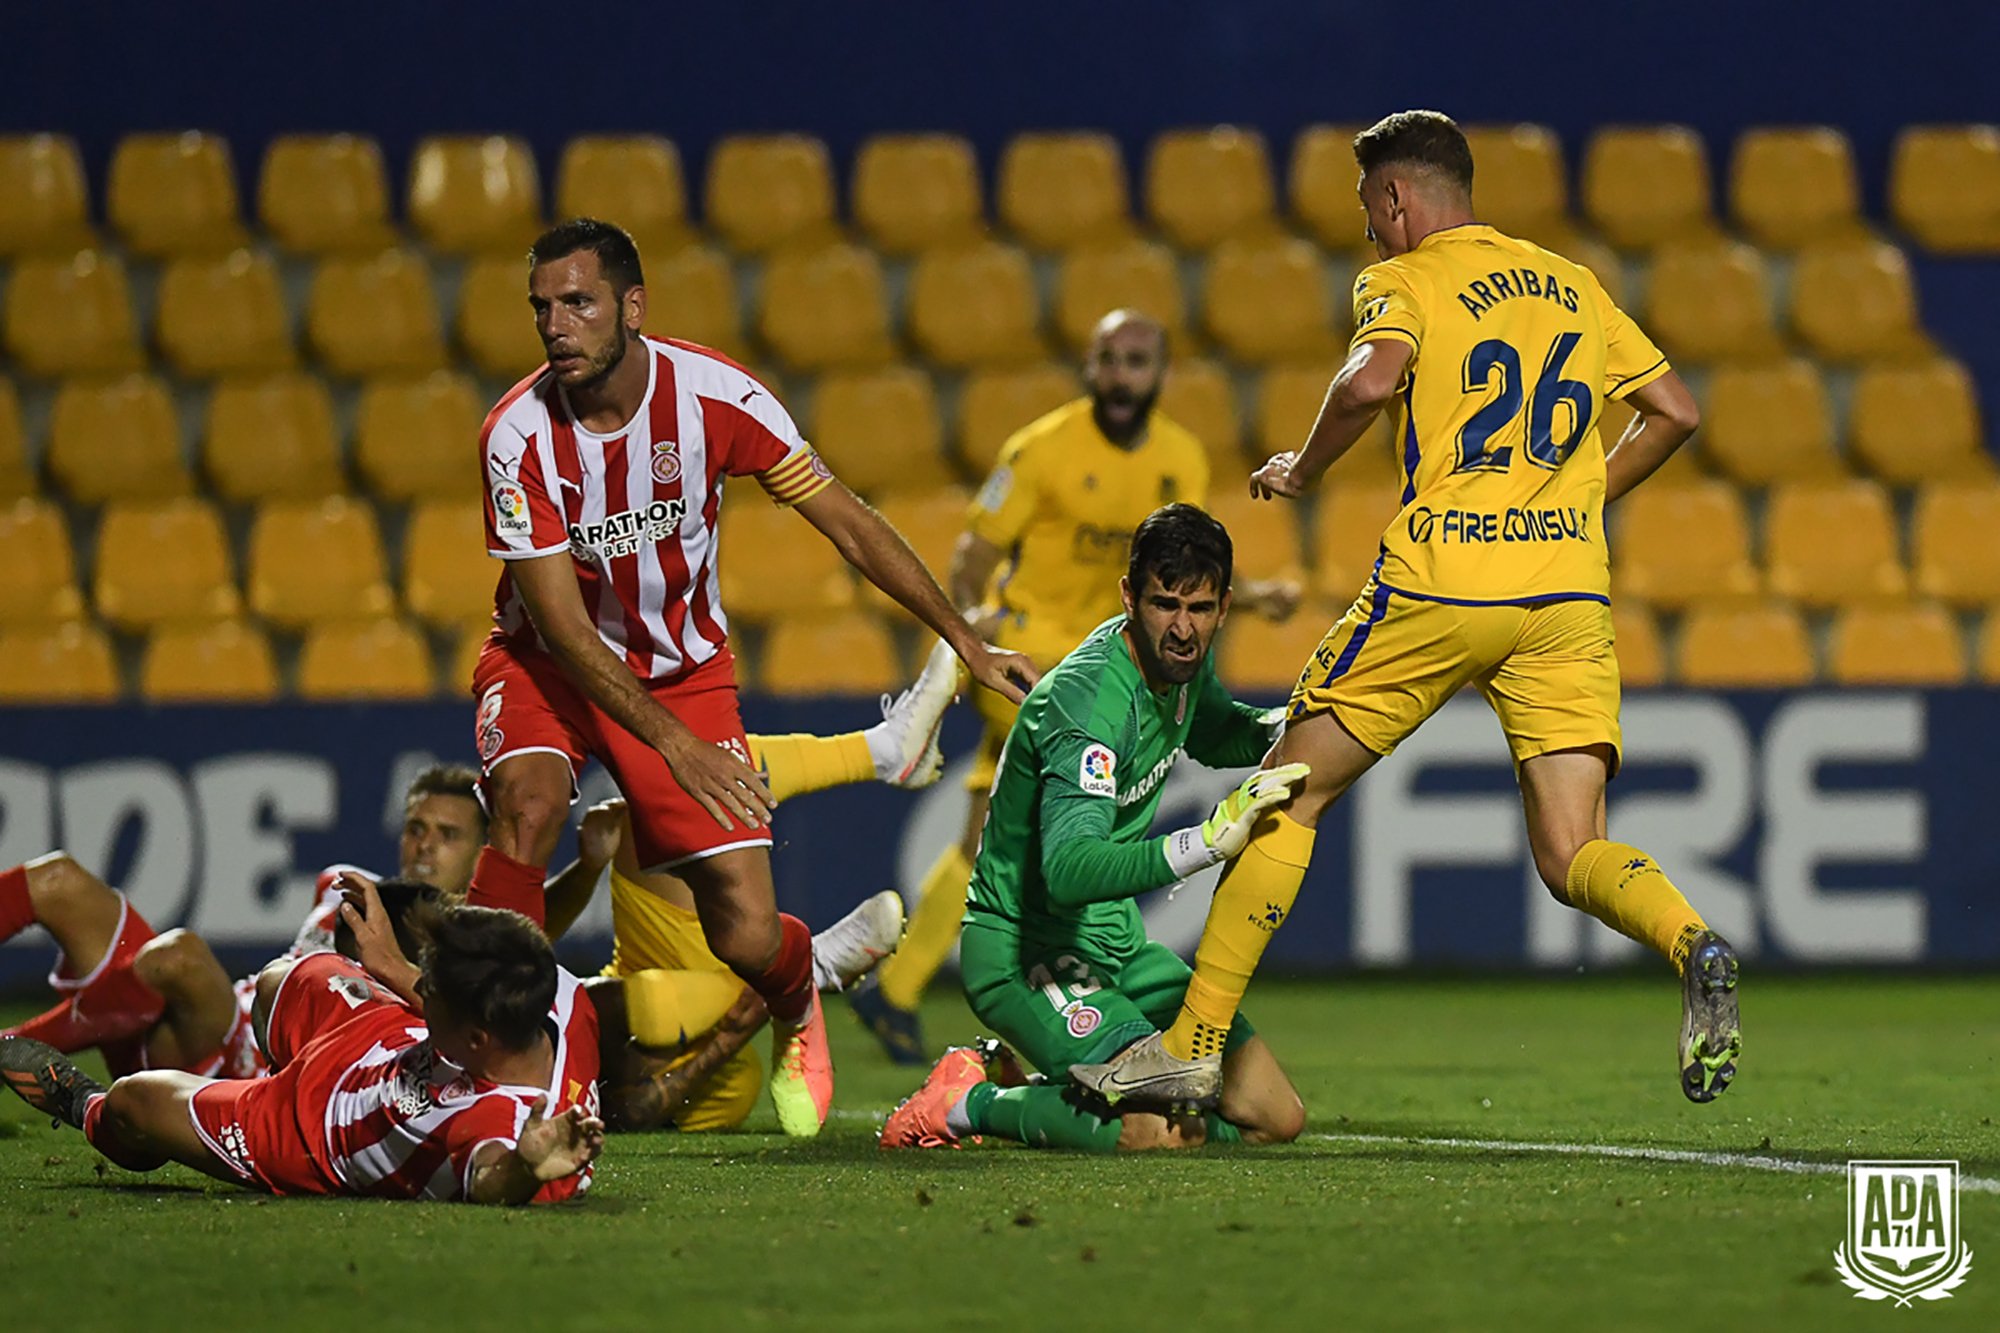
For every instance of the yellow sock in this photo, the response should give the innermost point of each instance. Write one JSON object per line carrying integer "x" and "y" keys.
{"x": 670, "y": 1008}
{"x": 932, "y": 930}
{"x": 795, "y": 765}
{"x": 1626, "y": 890}
{"x": 1256, "y": 894}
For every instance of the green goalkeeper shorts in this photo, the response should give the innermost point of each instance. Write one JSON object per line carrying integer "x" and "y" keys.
{"x": 1060, "y": 1005}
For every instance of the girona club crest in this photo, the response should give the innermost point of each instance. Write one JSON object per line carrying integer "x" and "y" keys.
{"x": 1902, "y": 1232}
{"x": 666, "y": 463}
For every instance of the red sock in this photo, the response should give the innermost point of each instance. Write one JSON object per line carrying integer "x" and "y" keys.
{"x": 106, "y": 1141}
{"x": 112, "y": 1008}
{"x": 498, "y": 880}
{"x": 786, "y": 984}
{"x": 17, "y": 911}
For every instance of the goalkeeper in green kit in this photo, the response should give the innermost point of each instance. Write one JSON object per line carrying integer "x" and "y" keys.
{"x": 1054, "y": 954}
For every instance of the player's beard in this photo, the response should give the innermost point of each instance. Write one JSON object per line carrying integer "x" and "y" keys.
{"x": 1160, "y": 669}
{"x": 1142, "y": 410}
{"x": 604, "y": 362}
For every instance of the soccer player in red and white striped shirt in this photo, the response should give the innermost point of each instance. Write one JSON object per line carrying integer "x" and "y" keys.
{"x": 603, "y": 474}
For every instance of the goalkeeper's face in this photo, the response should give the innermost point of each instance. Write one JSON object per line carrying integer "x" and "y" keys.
{"x": 1170, "y": 629}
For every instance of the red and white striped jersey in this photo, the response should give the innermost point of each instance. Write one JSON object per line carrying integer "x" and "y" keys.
{"x": 636, "y": 510}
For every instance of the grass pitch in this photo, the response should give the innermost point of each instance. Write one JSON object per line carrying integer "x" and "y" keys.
{"x": 1357, "y": 1225}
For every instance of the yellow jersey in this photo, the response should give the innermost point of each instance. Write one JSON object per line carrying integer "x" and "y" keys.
{"x": 1062, "y": 502}
{"x": 1516, "y": 349}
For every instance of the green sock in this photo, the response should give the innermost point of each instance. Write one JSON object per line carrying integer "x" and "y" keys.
{"x": 1041, "y": 1117}
{"x": 1220, "y": 1131}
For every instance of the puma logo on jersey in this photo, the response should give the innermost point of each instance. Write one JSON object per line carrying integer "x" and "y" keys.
{"x": 625, "y": 532}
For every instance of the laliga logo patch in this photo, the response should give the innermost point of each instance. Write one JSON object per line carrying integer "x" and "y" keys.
{"x": 1097, "y": 772}
{"x": 666, "y": 463}
{"x": 1902, "y": 1232}
{"x": 510, "y": 510}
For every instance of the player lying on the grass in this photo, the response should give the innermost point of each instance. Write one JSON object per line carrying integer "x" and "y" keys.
{"x": 472, "y": 1077}
{"x": 1054, "y": 954}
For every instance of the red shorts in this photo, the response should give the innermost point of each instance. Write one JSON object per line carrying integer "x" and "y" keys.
{"x": 527, "y": 704}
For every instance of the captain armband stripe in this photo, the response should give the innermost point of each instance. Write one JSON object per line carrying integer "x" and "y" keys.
{"x": 800, "y": 477}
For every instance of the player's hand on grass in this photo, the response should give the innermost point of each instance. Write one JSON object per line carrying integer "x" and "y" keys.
{"x": 374, "y": 938}
{"x": 1278, "y": 478}
{"x": 603, "y": 828}
{"x": 1226, "y": 832}
{"x": 729, "y": 789}
{"x": 560, "y": 1147}
{"x": 1008, "y": 674}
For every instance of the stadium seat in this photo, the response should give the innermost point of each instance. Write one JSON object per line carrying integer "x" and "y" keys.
{"x": 837, "y": 654}
{"x": 448, "y": 578}
{"x": 1683, "y": 464}
{"x": 1655, "y": 559}
{"x": 1646, "y": 184}
{"x": 1064, "y": 190}
{"x": 1710, "y": 301}
{"x": 1944, "y": 187}
{"x": 324, "y": 193}
{"x": 273, "y": 438}
{"x": 1131, "y": 274}
{"x": 1204, "y": 186}
{"x": 1917, "y": 645}
{"x": 930, "y": 522}
{"x": 1200, "y": 395}
{"x": 40, "y": 587}
{"x": 1989, "y": 649}
{"x": 71, "y": 316}
{"x": 1762, "y": 646}
{"x": 691, "y": 295}
{"x": 1642, "y": 652}
{"x": 1584, "y": 248}
{"x": 467, "y": 644}
{"x": 224, "y": 661}
{"x": 1254, "y": 655}
{"x": 382, "y": 658}
{"x": 825, "y": 308}
{"x": 1917, "y": 423}
{"x": 1832, "y": 544}
{"x": 1348, "y": 523}
{"x": 1267, "y": 300}
{"x": 16, "y": 477}
{"x": 1763, "y": 424}
{"x": 474, "y": 193}
{"x": 161, "y": 561}
{"x": 116, "y": 440}
{"x": 1791, "y": 186}
{"x": 975, "y": 306}
{"x": 1518, "y": 181}
{"x": 1853, "y": 300}
{"x": 495, "y": 324}
{"x": 775, "y": 565}
{"x": 224, "y": 315}
{"x": 44, "y": 203}
{"x": 1288, "y": 402}
{"x": 996, "y": 403}
{"x": 413, "y": 438}
{"x": 175, "y": 194}
{"x": 1954, "y": 555}
{"x": 1320, "y": 186}
{"x": 316, "y": 560}
{"x": 634, "y": 180}
{"x": 914, "y": 191}
{"x": 374, "y": 315}
{"x": 879, "y": 430}
{"x": 768, "y": 191}
{"x": 71, "y": 663}
{"x": 1264, "y": 532}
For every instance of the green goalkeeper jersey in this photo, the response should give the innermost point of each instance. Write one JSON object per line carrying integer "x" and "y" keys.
{"x": 1066, "y": 848}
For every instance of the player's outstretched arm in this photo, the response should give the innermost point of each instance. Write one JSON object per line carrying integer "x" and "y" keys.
{"x": 570, "y": 890}
{"x": 1668, "y": 415}
{"x": 1363, "y": 387}
{"x": 547, "y": 1150}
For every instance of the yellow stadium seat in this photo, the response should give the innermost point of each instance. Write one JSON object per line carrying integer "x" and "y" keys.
{"x": 1853, "y": 300}
{"x": 40, "y": 586}
{"x": 879, "y": 430}
{"x": 1710, "y": 301}
{"x": 1791, "y": 186}
{"x": 413, "y": 438}
{"x": 1770, "y": 423}
{"x": 448, "y": 578}
{"x": 1064, "y": 190}
{"x": 1754, "y": 647}
{"x": 70, "y": 663}
{"x": 1264, "y": 532}
{"x": 320, "y": 193}
{"x": 691, "y": 295}
{"x": 472, "y": 193}
{"x": 1288, "y": 402}
{"x": 1518, "y": 181}
{"x": 16, "y": 477}
{"x": 1832, "y": 544}
{"x": 632, "y": 180}
{"x": 1204, "y": 186}
{"x": 495, "y": 325}
{"x": 1917, "y": 645}
{"x": 382, "y": 658}
{"x": 316, "y": 560}
{"x": 1267, "y": 300}
{"x": 224, "y": 315}
{"x": 44, "y": 203}
{"x": 1989, "y": 648}
{"x": 71, "y": 316}
{"x": 913, "y": 191}
{"x": 767, "y": 191}
{"x": 224, "y": 661}
{"x": 1683, "y": 464}
{"x": 117, "y": 440}
{"x": 839, "y": 654}
{"x": 374, "y": 315}
{"x": 930, "y": 522}
{"x": 163, "y": 560}
{"x": 1320, "y": 186}
{"x": 1944, "y": 187}
{"x": 1254, "y": 655}
{"x": 996, "y": 403}
{"x": 175, "y": 194}
{"x": 1656, "y": 557}
{"x": 466, "y": 646}
{"x": 975, "y": 306}
{"x": 825, "y": 308}
{"x": 272, "y": 438}
{"x": 1646, "y": 184}
{"x": 1953, "y": 552}
{"x": 1583, "y": 248}
{"x": 1132, "y": 274}
{"x": 1348, "y": 523}
{"x": 775, "y": 564}
{"x": 1642, "y": 653}
{"x": 1919, "y": 422}
{"x": 1200, "y": 396}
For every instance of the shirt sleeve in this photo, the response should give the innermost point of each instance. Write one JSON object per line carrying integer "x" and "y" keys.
{"x": 1006, "y": 504}
{"x": 756, "y": 437}
{"x": 1385, "y": 306}
{"x": 522, "y": 520}
{"x": 1226, "y": 732}
{"x": 1080, "y": 863}
{"x": 1631, "y": 360}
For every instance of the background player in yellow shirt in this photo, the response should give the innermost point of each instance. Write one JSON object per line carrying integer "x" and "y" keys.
{"x": 1497, "y": 356}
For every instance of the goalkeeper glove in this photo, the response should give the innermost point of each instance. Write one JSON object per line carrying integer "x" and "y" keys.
{"x": 1225, "y": 833}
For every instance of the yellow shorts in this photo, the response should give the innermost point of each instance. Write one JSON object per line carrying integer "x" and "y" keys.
{"x": 1547, "y": 670}
{"x": 648, "y": 931}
